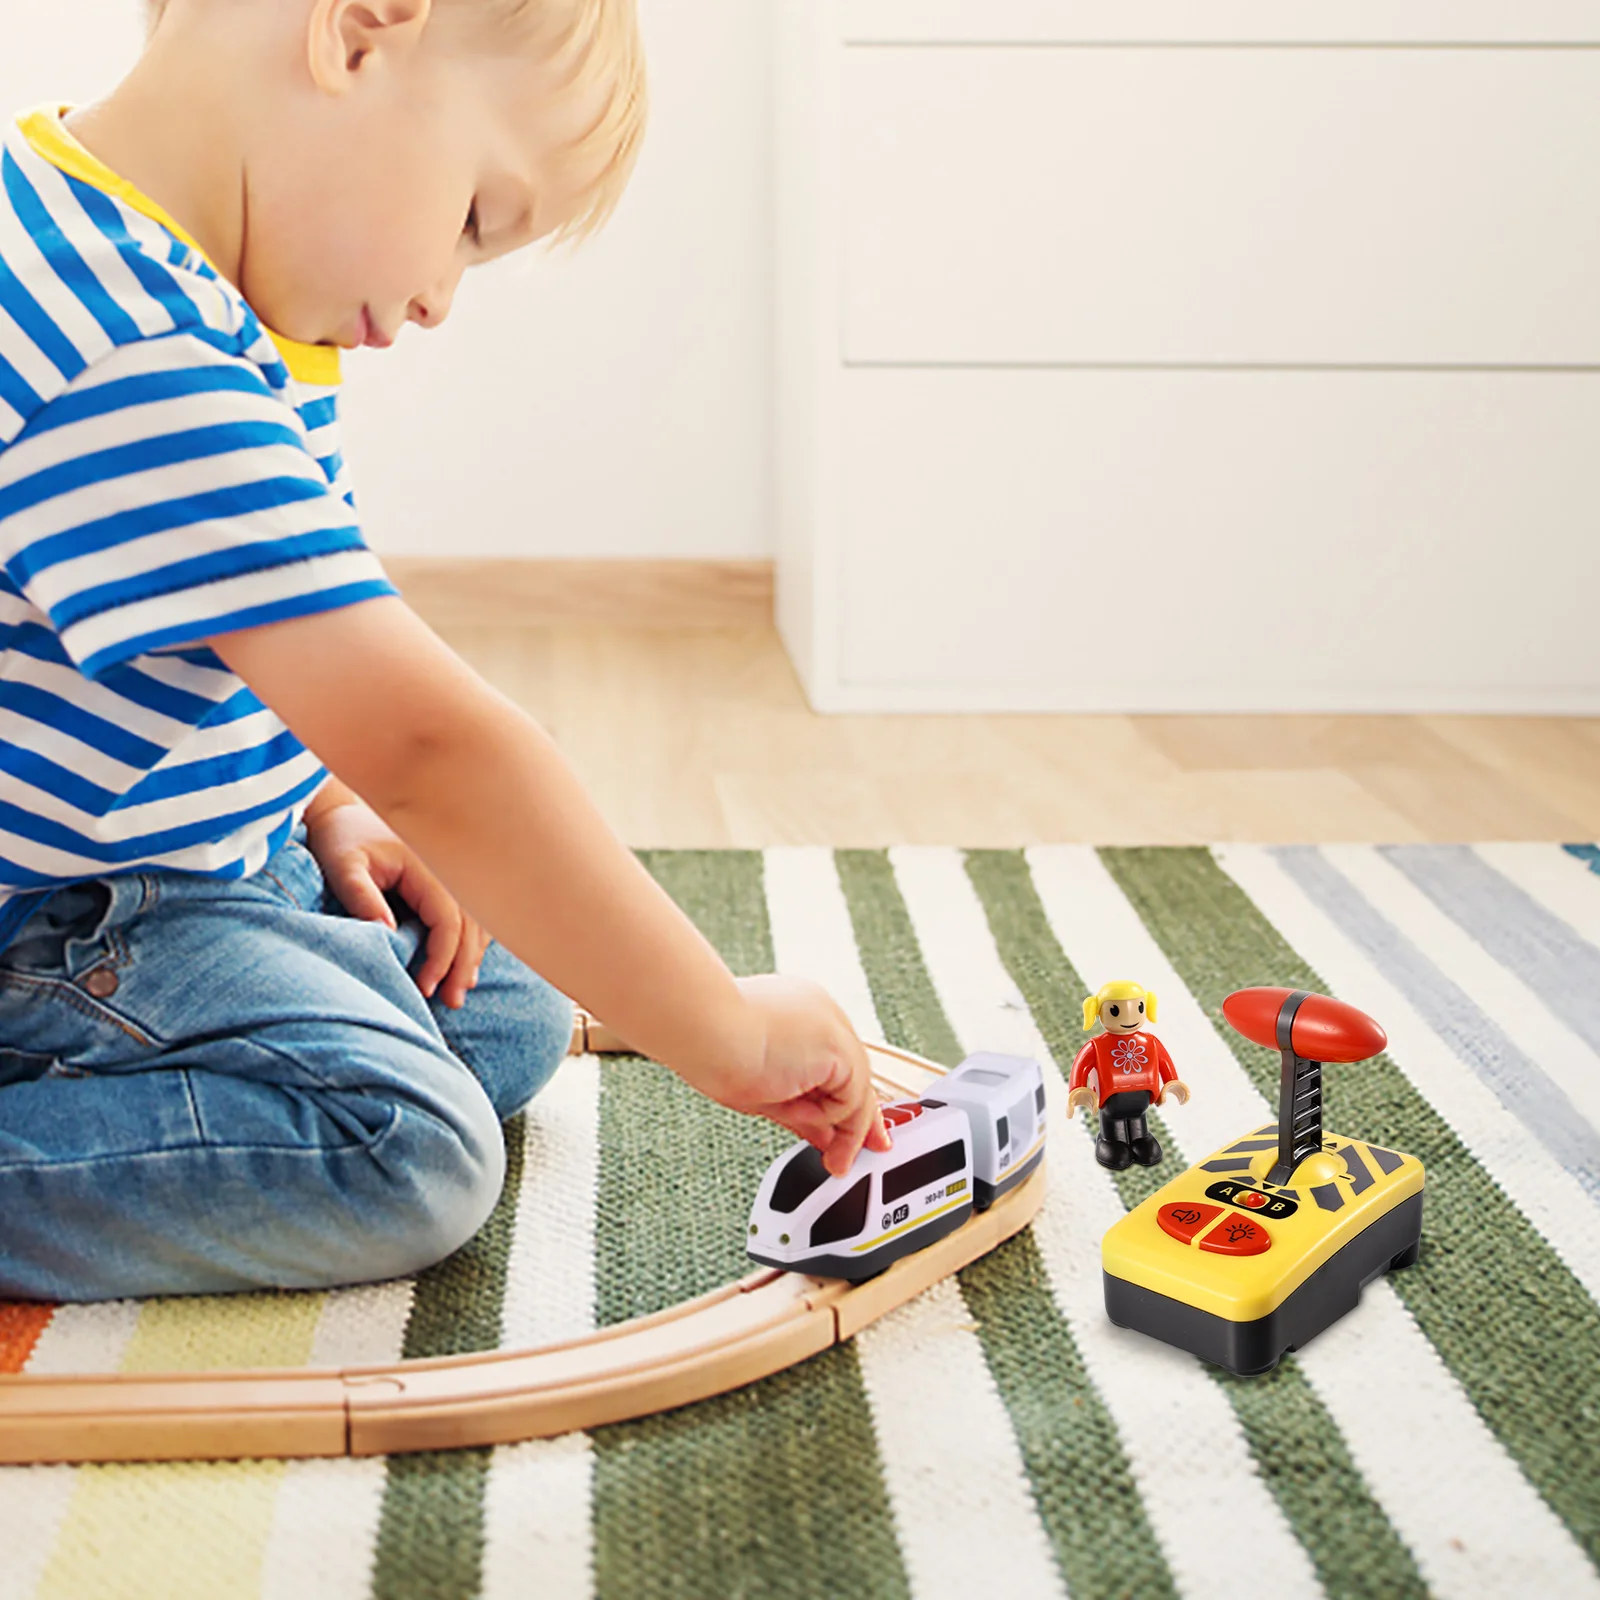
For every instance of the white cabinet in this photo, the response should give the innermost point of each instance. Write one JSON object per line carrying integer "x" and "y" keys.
{"x": 1130, "y": 359}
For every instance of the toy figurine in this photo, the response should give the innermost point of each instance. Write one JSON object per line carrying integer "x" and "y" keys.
{"x": 1123, "y": 1070}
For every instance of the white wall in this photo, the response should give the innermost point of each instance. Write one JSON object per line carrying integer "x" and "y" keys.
{"x": 611, "y": 402}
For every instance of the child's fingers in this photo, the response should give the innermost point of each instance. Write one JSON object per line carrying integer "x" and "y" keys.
{"x": 862, "y": 1121}
{"x": 463, "y": 971}
{"x": 443, "y": 918}
{"x": 358, "y": 893}
{"x": 804, "y": 1118}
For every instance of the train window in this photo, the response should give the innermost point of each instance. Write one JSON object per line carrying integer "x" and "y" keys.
{"x": 1022, "y": 1121}
{"x": 1002, "y": 1133}
{"x": 1038, "y": 1099}
{"x": 804, "y": 1175}
{"x": 846, "y": 1217}
{"x": 922, "y": 1170}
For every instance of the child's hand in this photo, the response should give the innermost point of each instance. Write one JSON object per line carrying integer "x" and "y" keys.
{"x": 361, "y": 857}
{"x": 813, "y": 1076}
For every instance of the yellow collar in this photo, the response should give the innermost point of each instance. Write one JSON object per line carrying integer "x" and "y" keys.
{"x": 48, "y": 134}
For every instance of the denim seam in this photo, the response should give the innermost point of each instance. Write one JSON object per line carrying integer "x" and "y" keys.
{"x": 368, "y": 1146}
{"x": 366, "y": 1024}
{"x": 282, "y": 887}
{"x": 69, "y": 993}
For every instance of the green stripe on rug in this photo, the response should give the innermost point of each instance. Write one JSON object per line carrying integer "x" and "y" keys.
{"x": 430, "y": 1530}
{"x": 775, "y": 1489}
{"x": 1102, "y": 1541}
{"x": 1298, "y": 1447}
{"x": 1504, "y": 1313}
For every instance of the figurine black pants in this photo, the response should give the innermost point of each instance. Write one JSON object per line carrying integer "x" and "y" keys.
{"x": 1122, "y": 1116}
{"x": 1124, "y": 1138}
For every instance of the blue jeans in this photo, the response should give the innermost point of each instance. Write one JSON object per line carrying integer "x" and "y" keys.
{"x": 211, "y": 1085}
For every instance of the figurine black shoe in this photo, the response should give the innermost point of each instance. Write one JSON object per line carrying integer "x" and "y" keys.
{"x": 1146, "y": 1151}
{"x": 1115, "y": 1156}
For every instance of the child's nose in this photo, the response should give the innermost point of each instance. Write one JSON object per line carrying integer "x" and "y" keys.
{"x": 430, "y": 308}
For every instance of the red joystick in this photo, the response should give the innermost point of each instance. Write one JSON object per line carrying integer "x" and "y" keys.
{"x": 1308, "y": 1029}
{"x": 1321, "y": 1028}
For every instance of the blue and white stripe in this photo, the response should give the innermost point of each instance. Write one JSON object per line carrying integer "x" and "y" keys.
{"x": 164, "y": 477}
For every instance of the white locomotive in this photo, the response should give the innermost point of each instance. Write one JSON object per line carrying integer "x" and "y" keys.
{"x": 979, "y": 1133}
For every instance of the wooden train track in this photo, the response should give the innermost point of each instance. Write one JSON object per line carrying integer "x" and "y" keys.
{"x": 745, "y": 1330}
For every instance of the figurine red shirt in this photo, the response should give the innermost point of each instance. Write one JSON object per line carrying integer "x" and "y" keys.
{"x": 1123, "y": 1061}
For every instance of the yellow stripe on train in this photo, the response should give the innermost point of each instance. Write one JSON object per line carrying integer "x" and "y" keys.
{"x": 916, "y": 1222}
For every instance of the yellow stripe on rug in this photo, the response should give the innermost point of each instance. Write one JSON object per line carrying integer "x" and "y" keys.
{"x": 184, "y": 1529}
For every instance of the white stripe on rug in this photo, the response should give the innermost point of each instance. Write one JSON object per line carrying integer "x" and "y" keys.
{"x": 963, "y": 1509}
{"x": 324, "y": 1529}
{"x": 538, "y": 1504}
{"x": 33, "y": 1504}
{"x": 1547, "y": 1195}
{"x": 1473, "y": 1523}
{"x": 363, "y": 1326}
{"x": 1565, "y": 886}
{"x": 1169, "y": 1413}
{"x": 90, "y": 1338}
{"x": 325, "y": 1522}
{"x": 1529, "y": 1018}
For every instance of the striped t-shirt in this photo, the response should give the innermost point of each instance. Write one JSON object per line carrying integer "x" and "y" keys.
{"x": 169, "y": 471}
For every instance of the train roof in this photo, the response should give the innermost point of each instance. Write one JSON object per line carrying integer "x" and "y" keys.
{"x": 992, "y": 1075}
{"x": 926, "y": 1124}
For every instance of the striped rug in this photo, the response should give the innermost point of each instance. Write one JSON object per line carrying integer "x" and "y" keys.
{"x": 998, "y": 1436}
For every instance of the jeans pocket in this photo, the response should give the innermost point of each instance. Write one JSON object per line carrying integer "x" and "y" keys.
{"x": 50, "y": 942}
{"x": 22, "y": 1066}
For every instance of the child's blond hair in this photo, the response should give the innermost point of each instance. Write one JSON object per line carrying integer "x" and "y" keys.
{"x": 595, "y": 42}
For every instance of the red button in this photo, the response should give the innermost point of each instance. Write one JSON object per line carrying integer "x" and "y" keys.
{"x": 1250, "y": 1198}
{"x": 1183, "y": 1219}
{"x": 1237, "y": 1236}
{"x": 897, "y": 1116}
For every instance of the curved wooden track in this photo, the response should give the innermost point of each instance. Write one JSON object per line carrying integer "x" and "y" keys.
{"x": 721, "y": 1341}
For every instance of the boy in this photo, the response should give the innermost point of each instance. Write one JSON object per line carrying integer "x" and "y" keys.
{"x": 224, "y": 1062}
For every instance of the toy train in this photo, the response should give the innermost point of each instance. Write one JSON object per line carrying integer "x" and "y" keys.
{"x": 979, "y": 1134}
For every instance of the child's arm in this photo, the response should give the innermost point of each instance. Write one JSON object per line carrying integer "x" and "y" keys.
{"x": 480, "y": 792}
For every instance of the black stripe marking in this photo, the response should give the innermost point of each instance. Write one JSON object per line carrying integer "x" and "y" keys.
{"x": 1251, "y": 1144}
{"x": 1387, "y": 1160}
{"x": 1242, "y": 1165}
{"x": 1360, "y": 1178}
{"x": 1328, "y": 1197}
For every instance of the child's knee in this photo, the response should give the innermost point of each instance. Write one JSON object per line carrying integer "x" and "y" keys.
{"x": 430, "y": 1183}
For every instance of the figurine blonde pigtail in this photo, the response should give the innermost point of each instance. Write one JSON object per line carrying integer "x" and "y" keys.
{"x": 1121, "y": 989}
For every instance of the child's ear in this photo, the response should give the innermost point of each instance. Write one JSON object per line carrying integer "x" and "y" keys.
{"x": 343, "y": 35}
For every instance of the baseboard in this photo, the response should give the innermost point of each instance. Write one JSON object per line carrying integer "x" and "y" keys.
{"x": 498, "y": 592}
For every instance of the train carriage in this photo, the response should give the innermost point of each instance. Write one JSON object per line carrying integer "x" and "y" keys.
{"x": 1003, "y": 1097}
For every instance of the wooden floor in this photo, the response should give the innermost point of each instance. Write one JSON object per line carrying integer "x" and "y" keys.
{"x": 701, "y": 737}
